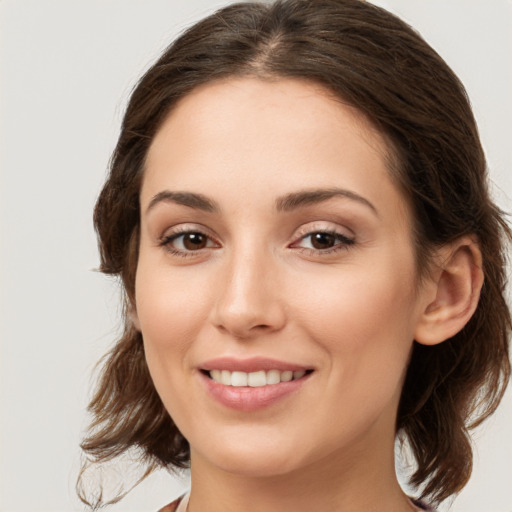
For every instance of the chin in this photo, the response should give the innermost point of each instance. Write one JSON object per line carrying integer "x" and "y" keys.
{"x": 252, "y": 459}
{"x": 260, "y": 467}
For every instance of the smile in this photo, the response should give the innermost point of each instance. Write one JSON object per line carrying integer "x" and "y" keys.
{"x": 252, "y": 384}
{"x": 255, "y": 379}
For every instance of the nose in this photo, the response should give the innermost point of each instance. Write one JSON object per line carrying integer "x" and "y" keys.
{"x": 249, "y": 302}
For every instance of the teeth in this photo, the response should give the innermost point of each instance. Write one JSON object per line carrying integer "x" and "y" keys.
{"x": 257, "y": 379}
{"x": 216, "y": 375}
{"x": 225, "y": 377}
{"x": 254, "y": 379}
{"x": 239, "y": 379}
{"x": 273, "y": 377}
{"x": 286, "y": 376}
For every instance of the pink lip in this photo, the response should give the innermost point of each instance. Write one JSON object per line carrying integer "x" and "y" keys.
{"x": 248, "y": 399}
{"x": 252, "y": 364}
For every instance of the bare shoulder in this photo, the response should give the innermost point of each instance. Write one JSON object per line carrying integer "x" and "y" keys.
{"x": 171, "y": 507}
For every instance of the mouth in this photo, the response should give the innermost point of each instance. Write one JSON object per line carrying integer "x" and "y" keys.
{"x": 252, "y": 384}
{"x": 255, "y": 379}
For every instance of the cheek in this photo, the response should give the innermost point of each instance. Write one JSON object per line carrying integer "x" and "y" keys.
{"x": 363, "y": 320}
{"x": 170, "y": 312}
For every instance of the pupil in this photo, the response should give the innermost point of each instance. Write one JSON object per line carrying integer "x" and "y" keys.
{"x": 194, "y": 241}
{"x": 323, "y": 240}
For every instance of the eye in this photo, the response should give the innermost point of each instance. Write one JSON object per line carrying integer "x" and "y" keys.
{"x": 324, "y": 241}
{"x": 191, "y": 241}
{"x": 187, "y": 241}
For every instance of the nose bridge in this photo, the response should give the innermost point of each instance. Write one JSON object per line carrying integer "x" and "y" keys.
{"x": 248, "y": 301}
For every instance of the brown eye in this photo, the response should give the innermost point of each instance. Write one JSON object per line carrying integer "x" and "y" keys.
{"x": 323, "y": 240}
{"x": 194, "y": 241}
{"x": 187, "y": 242}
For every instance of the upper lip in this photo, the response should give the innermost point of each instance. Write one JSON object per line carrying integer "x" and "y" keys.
{"x": 252, "y": 364}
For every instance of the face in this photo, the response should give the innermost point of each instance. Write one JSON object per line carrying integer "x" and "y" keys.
{"x": 275, "y": 246}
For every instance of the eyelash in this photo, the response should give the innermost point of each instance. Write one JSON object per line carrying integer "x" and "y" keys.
{"x": 343, "y": 242}
{"x": 167, "y": 240}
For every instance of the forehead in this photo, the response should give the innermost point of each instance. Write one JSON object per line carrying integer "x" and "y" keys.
{"x": 259, "y": 135}
{"x": 247, "y": 103}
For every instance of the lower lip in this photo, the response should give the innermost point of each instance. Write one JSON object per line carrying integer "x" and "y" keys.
{"x": 245, "y": 398}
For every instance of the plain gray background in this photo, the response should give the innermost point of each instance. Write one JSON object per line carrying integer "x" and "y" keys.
{"x": 67, "y": 67}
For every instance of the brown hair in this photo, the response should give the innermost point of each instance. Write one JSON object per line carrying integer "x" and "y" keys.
{"x": 372, "y": 60}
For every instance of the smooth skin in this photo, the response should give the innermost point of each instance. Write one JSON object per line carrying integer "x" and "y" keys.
{"x": 271, "y": 226}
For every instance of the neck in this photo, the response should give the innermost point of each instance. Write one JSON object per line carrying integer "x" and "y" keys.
{"x": 362, "y": 480}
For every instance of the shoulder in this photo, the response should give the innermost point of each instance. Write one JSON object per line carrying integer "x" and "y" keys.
{"x": 172, "y": 506}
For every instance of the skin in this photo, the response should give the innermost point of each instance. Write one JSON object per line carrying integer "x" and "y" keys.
{"x": 259, "y": 287}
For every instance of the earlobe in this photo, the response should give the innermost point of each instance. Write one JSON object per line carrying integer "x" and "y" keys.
{"x": 453, "y": 293}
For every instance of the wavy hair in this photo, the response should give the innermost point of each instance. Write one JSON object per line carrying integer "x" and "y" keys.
{"x": 375, "y": 62}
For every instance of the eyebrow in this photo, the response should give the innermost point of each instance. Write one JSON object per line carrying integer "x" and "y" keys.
{"x": 286, "y": 203}
{"x": 307, "y": 197}
{"x": 190, "y": 199}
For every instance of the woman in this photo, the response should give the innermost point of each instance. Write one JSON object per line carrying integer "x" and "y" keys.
{"x": 298, "y": 210}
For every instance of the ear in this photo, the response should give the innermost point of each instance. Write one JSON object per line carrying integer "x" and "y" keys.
{"x": 133, "y": 316}
{"x": 452, "y": 293}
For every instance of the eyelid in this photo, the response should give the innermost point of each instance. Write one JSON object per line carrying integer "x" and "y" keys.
{"x": 343, "y": 241}
{"x": 177, "y": 236}
{"x": 344, "y": 236}
{"x": 176, "y": 232}
{"x": 323, "y": 227}
{"x": 183, "y": 228}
